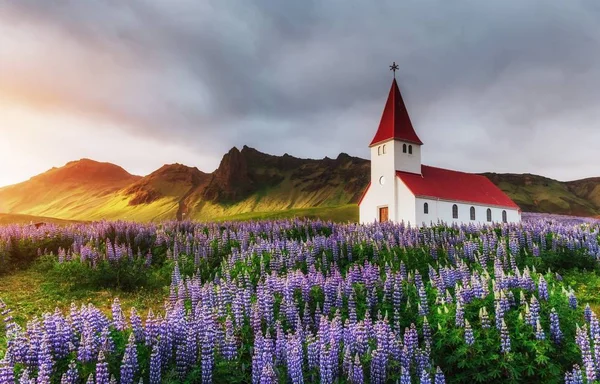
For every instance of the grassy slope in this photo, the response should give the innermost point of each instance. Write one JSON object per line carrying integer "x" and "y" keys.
{"x": 29, "y": 293}
{"x": 10, "y": 218}
{"x": 539, "y": 194}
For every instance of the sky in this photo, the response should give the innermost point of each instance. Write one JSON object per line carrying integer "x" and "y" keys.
{"x": 502, "y": 86}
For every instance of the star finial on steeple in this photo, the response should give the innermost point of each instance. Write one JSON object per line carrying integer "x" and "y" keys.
{"x": 393, "y": 68}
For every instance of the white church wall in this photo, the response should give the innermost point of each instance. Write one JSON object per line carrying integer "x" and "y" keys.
{"x": 442, "y": 210}
{"x": 405, "y": 204}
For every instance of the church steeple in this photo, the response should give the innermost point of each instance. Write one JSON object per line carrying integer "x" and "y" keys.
{"x": 395, "y": 122}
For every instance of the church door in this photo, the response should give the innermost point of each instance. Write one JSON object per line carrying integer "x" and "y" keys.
{"x": 383, "y": 214}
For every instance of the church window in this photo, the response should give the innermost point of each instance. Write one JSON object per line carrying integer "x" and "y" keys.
{"x": 426, "y": 208}
{"x": 379, "y": 150}
{"x": 404, "y": 148}
{"x": 489, "y": 215}
{"x": 472, "y": 213}
{"x": 455, "y": 211}
{"x": 383, "y": 149}
{"x": 504, "y": 217}
{"x": 410, "y": 149}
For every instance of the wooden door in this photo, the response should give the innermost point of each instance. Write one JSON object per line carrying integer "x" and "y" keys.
{"x": 383, "y": 214}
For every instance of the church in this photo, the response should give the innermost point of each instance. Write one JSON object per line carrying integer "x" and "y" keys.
{"x": 404, "y": 190}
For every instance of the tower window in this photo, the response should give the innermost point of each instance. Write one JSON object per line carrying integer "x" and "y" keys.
{"x": 404, "y": 148}
{"x": 504, "y": 217}
{"x": 384, "y": 149}
{"x": 426, "y": 208}
{"x": 489, "y": 215}
{"x": 455, "y": 211}
{"x": 472, "y": 213}
{"x": 410, "y": 149}
{"x": 379, "y": 150}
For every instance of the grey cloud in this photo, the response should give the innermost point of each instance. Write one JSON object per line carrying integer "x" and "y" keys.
{"x": 500, "y": 80}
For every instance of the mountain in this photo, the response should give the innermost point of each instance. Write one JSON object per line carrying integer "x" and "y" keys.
{"x": 245, "y": 181}
{"x": 540, "y": 194}
{"x": 64, "y": 192}
{"x": 248, "y": 184}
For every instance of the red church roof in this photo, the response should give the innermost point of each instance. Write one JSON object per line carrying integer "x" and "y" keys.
{"x": 445, "y": 184}
{"x": 395, "y": 122}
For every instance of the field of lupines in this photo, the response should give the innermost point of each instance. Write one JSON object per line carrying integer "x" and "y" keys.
{"x": 308, "y": 301}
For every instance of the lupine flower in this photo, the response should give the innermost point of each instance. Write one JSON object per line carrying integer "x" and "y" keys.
{"x": 439, "y": 377}
{"x": 357, "y": 372}
{"x": 555, "y": 332}
{"x": 155, "y": 366}
{"x": 505, "y": 338}
{"x": 587, "y": 313}
{"x": 539, "y": 332}
{"x": 425, "y": 377}
{"x": 469, "y": 339}
{"x": 572, "y": 300}
{"x": 102, "y": 375}
{"x": 6, "y": 372}
{"x": 71, "y": 376}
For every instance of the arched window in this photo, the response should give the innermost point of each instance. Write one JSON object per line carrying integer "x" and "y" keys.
{"x": 404, "y": 148}
{"x": 379, "y": 150}
{"x": 504, "y": 217}
{"x": 384, "y": 149}
{"x": 410, "y": 149}
{"x": 489, "y": 215}
{"x": 455, "y": 211}
{"x": 426, "y": 208}
{"x": 472, "y": 213}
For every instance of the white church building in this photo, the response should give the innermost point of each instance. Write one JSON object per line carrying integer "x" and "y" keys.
{"x": 403, "y": 189}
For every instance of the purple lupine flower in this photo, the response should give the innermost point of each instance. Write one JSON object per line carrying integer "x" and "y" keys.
{"x": 25, "y": 378}
{"x": 539, "y": 331}
{"x": 505, "y": 338}
{"x": 576, "y": 375}
{"x": 535, "y": 311}
{"x": 230, "y": 347}
{"x": 555, "y": 332}
{"x": 7, "y": 371}
{"x": 117, "y": 315}
{"x": 208, "y": 358}
{"x": 102, "y": 375}
{"x": 405, "y": 376}
{"x": 378, "y": 366}
{"x": 439, "y": 376}
{"x": 425, "y": 377}
{"x": 572, "y": 300}
{"x": 45, "y": 362}
{"x": 155, "y": 366}
{"x": 294, "y": 359}
{"x": 543, "y": 289}
{"x": 136, "y": 325}
{"x": 268, "y": 375}
{"x": 424, "y": 306}
{"x": 484, "y": 318}
{"x": 357, "y": 374}
{"x": 325, "y": 365}
{"x": 583, "y": 342}
{"x": 469, "y": 338}
{"x": 587, "y": 313}
{"x": 426, "y": 330}
{"x": 71, "y": 376}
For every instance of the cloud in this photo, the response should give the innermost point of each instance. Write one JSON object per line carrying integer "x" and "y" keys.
{"x": 490, "y": 86}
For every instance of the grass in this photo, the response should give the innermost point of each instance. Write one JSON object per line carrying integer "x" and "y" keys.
{"x": 340, "y": 214}
{"x": 12, "y": 218}
{"x": 30, "y": 293}
{"x": 587, "y": 287}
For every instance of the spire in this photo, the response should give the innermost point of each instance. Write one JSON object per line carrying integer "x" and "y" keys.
{"x": 395, "y": 122}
